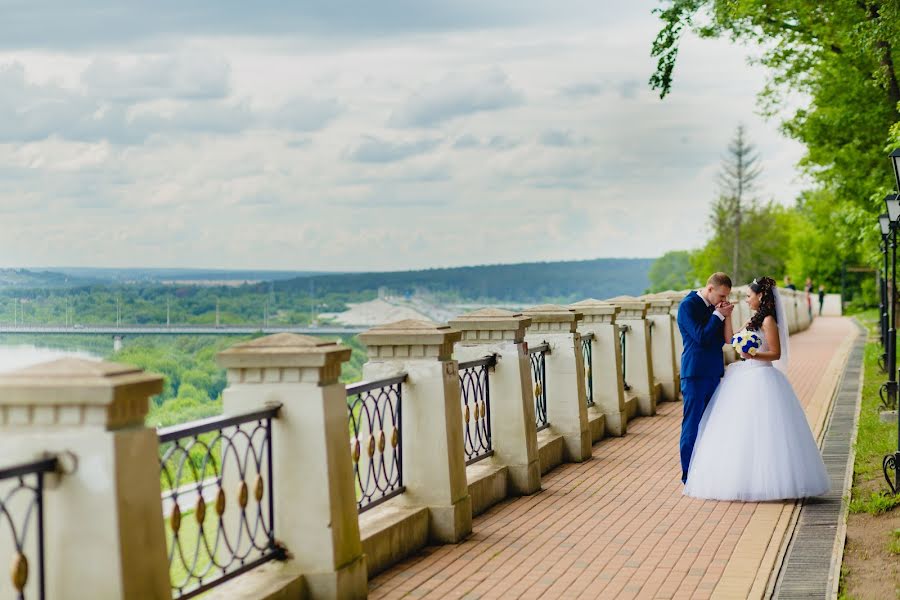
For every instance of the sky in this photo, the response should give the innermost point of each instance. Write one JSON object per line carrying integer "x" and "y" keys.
{"x": 359, "y": 135}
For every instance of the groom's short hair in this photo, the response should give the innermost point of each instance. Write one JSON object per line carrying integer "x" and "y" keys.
{"x": 719, "y": 279}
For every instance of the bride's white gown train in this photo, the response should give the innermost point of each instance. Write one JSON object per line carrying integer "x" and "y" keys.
{"x": 754, "y": 442}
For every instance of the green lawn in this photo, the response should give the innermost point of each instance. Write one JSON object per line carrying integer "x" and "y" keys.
{"x": 875, "y": 439}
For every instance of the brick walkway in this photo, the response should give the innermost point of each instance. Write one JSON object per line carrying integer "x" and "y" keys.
{"x": 618, "y": 526}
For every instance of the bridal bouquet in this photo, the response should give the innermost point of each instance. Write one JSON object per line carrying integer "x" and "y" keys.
{"x": 746, "y": 342}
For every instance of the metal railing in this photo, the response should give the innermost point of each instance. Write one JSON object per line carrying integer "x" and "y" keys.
{"x": 588, "y": 354}
{"x": 22, "y": 510}
{"x": 373, "y": 408}
{"x": 200, "y": 463}
{"x": 623, "y": 330}
{"x": 475, "y": 393}
{"x": 538, "y": 355}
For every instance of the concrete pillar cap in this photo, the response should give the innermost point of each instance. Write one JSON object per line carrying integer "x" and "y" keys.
{"x": 491, "y": 319}
{"x": 409, "y": 333}
{"x": 632, "y": 308}
{"x": 592, "y": 306}
{"x": 284, "y": 350}
{"x": 489, "y": 325}
{"x": 82, "y": 385}
{"x": 553, "y": 313}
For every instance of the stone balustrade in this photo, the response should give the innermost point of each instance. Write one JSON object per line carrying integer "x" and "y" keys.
{"x": 567, "y": 414}
{"x": 638, "y": 357}
{"x": 109, "y": 498}
{"x": 606, "y": 376}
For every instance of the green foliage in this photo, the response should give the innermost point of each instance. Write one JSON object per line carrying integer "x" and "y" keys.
{"x": 875, "y": 504}
{"x": 894, "y": 544}
{"x": 840, "y": 57}
{"x": 766, "y": 233}
{"x": 874, "y": 439}
{"x": 671, "y": 271}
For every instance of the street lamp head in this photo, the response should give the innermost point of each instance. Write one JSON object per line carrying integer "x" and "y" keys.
{"x": 885, "y": 222}
{"x": 893, "y": 207}
{"x": 895, "y": 161}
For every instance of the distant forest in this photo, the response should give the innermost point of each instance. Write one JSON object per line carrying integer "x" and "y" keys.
{"x": 193, "y": 381}
{"x": 525, "y": 282}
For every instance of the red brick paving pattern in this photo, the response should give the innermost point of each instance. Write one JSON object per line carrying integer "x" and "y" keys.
{"x": 616, "y": 526}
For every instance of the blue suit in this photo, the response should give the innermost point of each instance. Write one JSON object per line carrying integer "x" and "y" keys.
{"x": 702, "y": 366}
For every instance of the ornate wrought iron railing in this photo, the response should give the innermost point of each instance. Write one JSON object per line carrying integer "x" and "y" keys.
{"x": 22, "y": 511}
{"x": 623, "y": 337}
{"x": 475, "y": 393}
{"x": 538, "y": 355}
{"x": 588, "y": 354}
{"x": 213, "y": 535}
{"x": 376, "y": 440}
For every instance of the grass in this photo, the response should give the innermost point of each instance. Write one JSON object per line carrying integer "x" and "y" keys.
{"x": 875, "y": 438}
{"x": 894, "y": 546}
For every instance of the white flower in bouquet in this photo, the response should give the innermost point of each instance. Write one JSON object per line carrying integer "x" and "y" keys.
{"x": 746, "y": 342}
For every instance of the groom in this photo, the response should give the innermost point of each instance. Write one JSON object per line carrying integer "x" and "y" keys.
{"x": 701, "y": 319}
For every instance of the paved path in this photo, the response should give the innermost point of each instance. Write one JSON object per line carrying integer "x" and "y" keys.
{"x": 618, "y": 526}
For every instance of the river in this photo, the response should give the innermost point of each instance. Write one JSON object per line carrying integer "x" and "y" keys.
{"x": 16, "y": 357}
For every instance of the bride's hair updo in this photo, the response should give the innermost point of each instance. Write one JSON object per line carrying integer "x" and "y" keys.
{"x": 765, "y": 287}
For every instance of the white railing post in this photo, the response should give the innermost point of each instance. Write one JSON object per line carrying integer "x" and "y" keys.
{"x": 434, "y": 463}
{"x": 103, "y": 522}
{"x": 609, "y": 393}
{"x": 639, "y": 365}
{"x": 315, "y": 504}
{"x": 566, "y": 400}
{"x": 513, "y": 432}
{"x": 662, "y": 347}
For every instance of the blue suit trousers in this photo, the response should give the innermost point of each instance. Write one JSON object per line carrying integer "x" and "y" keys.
{"x": 697, "y": 392}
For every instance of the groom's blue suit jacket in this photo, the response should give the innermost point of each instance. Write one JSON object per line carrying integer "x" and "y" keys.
{"x": 702, "y": 333}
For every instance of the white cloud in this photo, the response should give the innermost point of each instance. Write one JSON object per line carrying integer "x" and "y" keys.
{"x": 424, "y": 145}
{"x": 457, "y": 95}
{"x": 191, "y": 76}
{"x": 375, "y": 150}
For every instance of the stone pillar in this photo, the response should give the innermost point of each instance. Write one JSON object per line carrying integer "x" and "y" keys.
{"x": 104, "y": 533}
{"x": 662, "y": 347}
{"x": 513, "y": 431}
{"x": 676, "y": 298}
{"x": 609, "y": 394}
{"x": 315, "y": 502}
{"x": 639, "y": 366}
{"x": 566, "y": 400}
{"x": 434, "y": 461}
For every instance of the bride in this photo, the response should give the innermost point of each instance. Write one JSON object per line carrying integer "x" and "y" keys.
{"x": 754, "y": 442}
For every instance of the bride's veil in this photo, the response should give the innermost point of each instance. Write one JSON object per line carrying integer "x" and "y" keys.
{"x": 782, "y": 363}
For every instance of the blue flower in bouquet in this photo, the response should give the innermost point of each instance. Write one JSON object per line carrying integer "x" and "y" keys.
{"x": 746, "y": 342}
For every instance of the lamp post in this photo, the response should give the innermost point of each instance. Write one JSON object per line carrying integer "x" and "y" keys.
{"x": 884, "y": 222}
{"x": 891, "y": 462}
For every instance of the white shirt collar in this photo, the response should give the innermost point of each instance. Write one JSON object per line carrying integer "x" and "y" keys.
{"x": 705, "y": 301}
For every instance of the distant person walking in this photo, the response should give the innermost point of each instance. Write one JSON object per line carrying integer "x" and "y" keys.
{"x": 821, "y": 298}
{"x": 788, "y": 284}
{"x": 809, "y": 290}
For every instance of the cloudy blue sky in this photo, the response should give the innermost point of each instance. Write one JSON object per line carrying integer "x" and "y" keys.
{"x": 359, "y": 135}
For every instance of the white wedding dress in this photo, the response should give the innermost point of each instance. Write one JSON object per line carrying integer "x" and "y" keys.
{"x": 754, "y": 442}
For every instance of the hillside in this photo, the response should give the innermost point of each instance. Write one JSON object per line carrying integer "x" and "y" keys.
{"x": 525, "y": 282}
{"x": 149, "y": 275}
{"x": 27, "y": 278}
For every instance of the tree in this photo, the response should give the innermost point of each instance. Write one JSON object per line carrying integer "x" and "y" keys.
{"x": 842, "y": 55}
{"x": 767, "y": 234}
{"x": 671, "y": 271}
{"x": 737, "y": 180}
